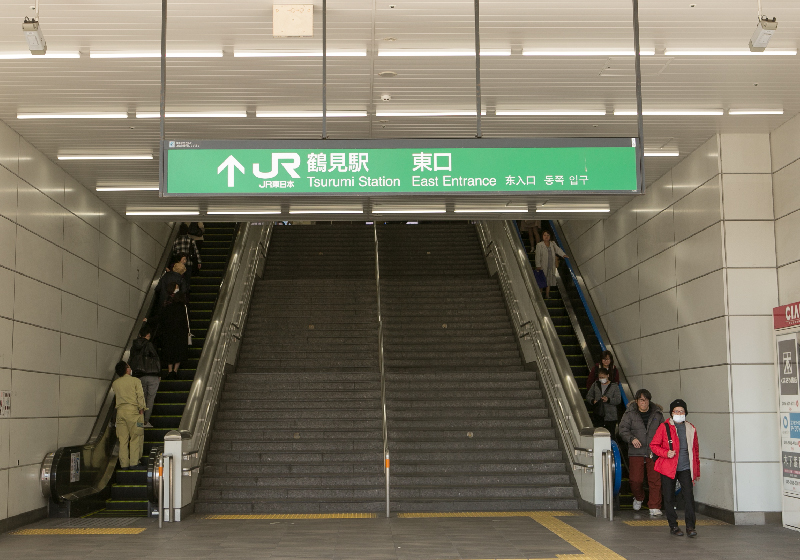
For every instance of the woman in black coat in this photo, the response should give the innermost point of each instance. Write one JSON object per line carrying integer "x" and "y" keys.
{"x": 172, "y": 321}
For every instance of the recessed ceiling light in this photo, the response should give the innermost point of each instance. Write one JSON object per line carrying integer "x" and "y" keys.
{"x": 106, "y": 156}
{"x": 124, "y": 189}
{"x": 409, "y": 210}
{"x": 387, "y": 74}
{"x": 662, "y": 154}
{"x": 296, "y": 53}
{"x": 241, "y": 212}
{"x": 326, "y": 211}
{"x": 542, "y": 209}
{"x": 496, "y": 210}
{"x": 443, "y": 52}
{"x": 552, "y": 113}
{"x": 163, "y": 213}
{"x": 27, "y": 55}
{"x": 193, "y": 115}
{"x": 755, "y": 112}
{"x": 309, "y": 114}
{"x": 72, "y": 115}
{"x": 587, "y": 52}
{"x": 427, "y": 113}
{"x": 730, "y": 52}
{"x": 155, "y": 54}
{"x": 679, "y": 112}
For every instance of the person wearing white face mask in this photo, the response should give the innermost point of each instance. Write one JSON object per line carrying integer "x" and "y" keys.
{"x": 603, "y": 398}
{"x": 678, "y": 450}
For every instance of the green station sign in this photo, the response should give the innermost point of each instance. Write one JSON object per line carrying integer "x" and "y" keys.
{"x": 271, "y": 168}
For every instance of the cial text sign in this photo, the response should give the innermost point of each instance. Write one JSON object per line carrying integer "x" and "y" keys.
{"x": 400, "y": 167}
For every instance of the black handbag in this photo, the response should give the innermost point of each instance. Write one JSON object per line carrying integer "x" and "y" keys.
{"x": 600, "y": 410}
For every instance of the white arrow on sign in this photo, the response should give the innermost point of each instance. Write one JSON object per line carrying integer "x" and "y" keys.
{"x": 230, "y": 163}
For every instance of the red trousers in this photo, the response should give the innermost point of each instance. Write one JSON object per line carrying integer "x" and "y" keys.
{"x": 636, "y": 469}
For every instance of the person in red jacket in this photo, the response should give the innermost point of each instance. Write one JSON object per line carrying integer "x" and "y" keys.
{"x": 678, "y": 451}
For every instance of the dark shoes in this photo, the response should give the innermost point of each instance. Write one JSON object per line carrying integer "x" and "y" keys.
{"x": 677, "y": 531}
{"x": 691, "y": 532}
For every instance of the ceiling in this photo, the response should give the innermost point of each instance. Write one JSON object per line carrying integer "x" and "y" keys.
{"x": 511, "y": 82}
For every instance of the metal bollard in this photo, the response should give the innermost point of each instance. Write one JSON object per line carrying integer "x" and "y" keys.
{"x": 160, "y": 490}
{"x": 171, "y": 489}
{"x": 610, "y": 469}
{"x": 387, "y": 484}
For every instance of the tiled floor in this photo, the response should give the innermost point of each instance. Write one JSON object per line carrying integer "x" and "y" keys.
{"x": 571, "y": 535}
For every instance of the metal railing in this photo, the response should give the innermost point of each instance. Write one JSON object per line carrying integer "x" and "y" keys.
{"x": 189, "y": 443}
{"x": 81, "y": 471}
{"x": 381, "y": 367}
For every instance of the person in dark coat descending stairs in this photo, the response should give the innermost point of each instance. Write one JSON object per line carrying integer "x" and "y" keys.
{"x": 637, "y": 428}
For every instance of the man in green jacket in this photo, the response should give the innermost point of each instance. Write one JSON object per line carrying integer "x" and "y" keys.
{"x": 130, "y": 419}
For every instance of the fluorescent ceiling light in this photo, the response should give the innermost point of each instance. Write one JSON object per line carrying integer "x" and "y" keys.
{"x": 731, "y": 52}
{"x": 465, "y": 210}
{"x": 443, "y": 52}
{"x": 755, "y": 112}
{"x": 554, "y": 112}
{"x": 72, "y": 115}
{"x": 284, "y": 54}
{"x": 675, "y": 113}
{"x": 326, "y": 211}
{"x": 584, "y": 210}
{"x": 163, "y": 213}
{"x": 106, "y": 156}
{"x": 27, "y": 55}
{"x": 409, "y": 210}
{"x": 154, "y": 54}
{"x": 308, "y": 114}
{"x": 240, "y": 212}
{"x": 662, "y": 154}
{"x": 193, "y": 115}
{"x": 427, "y": 113}
{"x": 588, "y": 52}
{"x": 123, "y": 189}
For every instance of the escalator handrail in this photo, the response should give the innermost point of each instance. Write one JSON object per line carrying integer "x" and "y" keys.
{"x": 381, "y": 365}
{"x": 591, "y": 310}
{"x": 102, "y": 438}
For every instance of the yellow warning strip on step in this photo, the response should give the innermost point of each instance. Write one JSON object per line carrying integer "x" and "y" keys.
{"x": 294, "y": 516}
{"x": 84, "y": 531}
{"x": 665, "y": 523}
{"x": 489, "y": 514}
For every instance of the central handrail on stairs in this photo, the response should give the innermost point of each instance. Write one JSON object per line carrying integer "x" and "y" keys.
{"x": 381, "y": 366}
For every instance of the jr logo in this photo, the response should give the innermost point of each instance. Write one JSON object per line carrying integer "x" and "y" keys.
{"x": 291, "y": 168}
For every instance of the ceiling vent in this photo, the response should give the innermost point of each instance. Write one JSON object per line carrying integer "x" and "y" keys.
{"x": 293, "y": 20}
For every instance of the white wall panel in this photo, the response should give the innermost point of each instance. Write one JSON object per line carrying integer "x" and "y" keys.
{"x": 24, "y": 490}
{"x": 80, "y": 316}
{"x": 622, "y": 290}
{"x": 5, "y": 446}
{"x": 81, "y": 239}
{"x": 7, "y": 293}
{"x": 8, "y": 194}
{"x": 785, "y": 144}
{"x": 752, "y": 291}
{"x": 715, "y": 486}
{"x": 35, "y": 349}
{"x": 747, "y": 197}
{"x": 699, "y": 255}
{"x": 112, "y": 327}
{"x": 754, "y": 388}
{"x": 114, "y": 259}
{"x": 143, "y": 246}
{"x": 116, "y": 228}
{"x": 74, "y": 431}
{"x": 665, "y": 387}
{"x": 38, "y": 258}
{"x": 141, "y": 273}
{"x": 756, "y": 437}
{"x": 623, "y": 324}
{"x": 591, "y": 243}
{"x": 708, "y": 388}
{"x": 788, "y": 286}
{"x": 698, "y": 210}
{"x": 619, "y": 224}
{"x": 751, "y": 339}
{"x": 41, "y": 172}
{"x": 31, "y": 439}
{"x": 703, "y": 344}
{"x": 3, "y": 490}
{"x": 787, "y": 233}
{"x": 76, "y": 396}
{"x": 714, "y": 431}
{"x": 107, "y": 356}
{"x": 40, "y": 214}
{"x": 786, "y": 190}
{"x": 629, "y": 356}
{"x": 660, "y": 352}
{"x": 657, "y": 235}
{"x": 758, "y": 486}
{"x": 35, "y": 394}
{"x": 599, "y": 297}
{"x": 745, "y": 153}
{"x": 136, "y": 301}
{"x": 8, "y": 233}
{"x": 657, "y": 274}
{"x": 6, "y": 338}
{"x": 78, "y": 356}
{"x": 80, "y": 277}
{"x": 36, "y": 303}
{"x": 657, "y": 198}
{"x": 698, "y": 167}
{"x": 576, "y": 228}
{"x": 621, "y": 256}
{"x": 114, "y": 293}
{"x": 83, "y": 203}
{"x": 594, "y": 270}
{"x": 659, "y": 313}
{"x": 750, "y": 244}
{"x": 9, "y": 148}
{"x": 701, "y": 299}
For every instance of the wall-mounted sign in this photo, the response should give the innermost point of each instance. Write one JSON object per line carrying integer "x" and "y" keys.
{"x": 786, "y": 316}
{"x": 75, "y": 467}
{"x": 268, "y": 168}
{"x": 5, "y": 404}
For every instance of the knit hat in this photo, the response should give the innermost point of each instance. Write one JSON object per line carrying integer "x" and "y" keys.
{"x": 677, "y": 403}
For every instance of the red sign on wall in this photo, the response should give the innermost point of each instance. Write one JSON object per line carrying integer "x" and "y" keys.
{"x": 786, "y": 316}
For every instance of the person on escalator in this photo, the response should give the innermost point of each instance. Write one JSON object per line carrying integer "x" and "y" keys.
{"x": 547, "y": 253}
{"x": 637, "y": 428}
{"x": 146, "y": 366}
{"x": 172, "y": 321}
{"x": 130, "y": 407}
{"x": 184, "y": 244}
{"x": 606, "y": 361}
{"x": 603, "y": 397}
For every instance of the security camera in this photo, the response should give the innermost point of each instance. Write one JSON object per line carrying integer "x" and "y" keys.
{"x": 764, "y": 31}
{"x": 33, "y": 34}
{"x": 386, "y": 97}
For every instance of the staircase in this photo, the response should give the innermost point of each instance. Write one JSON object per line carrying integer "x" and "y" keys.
{"x": 469, "y": 428}
{"x": 299, "y": 428}
{"x": 129, "y": 489}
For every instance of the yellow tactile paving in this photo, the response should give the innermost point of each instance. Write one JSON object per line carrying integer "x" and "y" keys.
{"x": 295, "y": 516}
{"x": 488, "y": 514}
{"x": 665, "y": 523}
{"x": 84, "y": 531}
